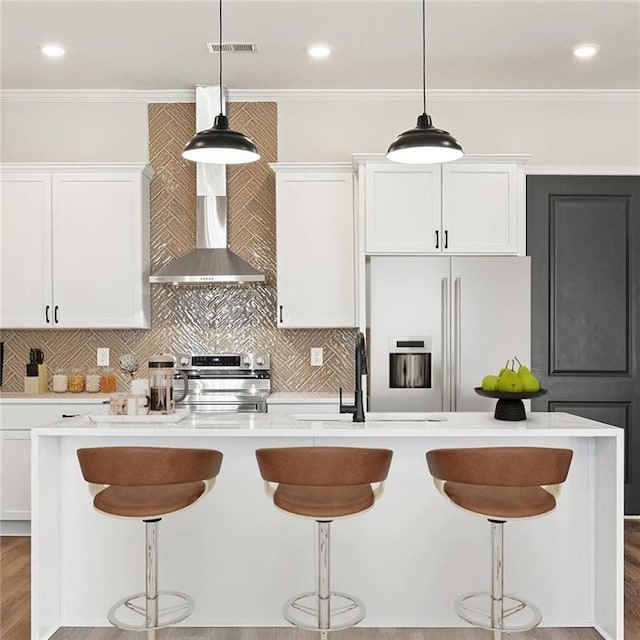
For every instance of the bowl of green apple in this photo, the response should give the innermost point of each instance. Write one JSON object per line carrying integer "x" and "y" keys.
{"x": 510, "y": 388}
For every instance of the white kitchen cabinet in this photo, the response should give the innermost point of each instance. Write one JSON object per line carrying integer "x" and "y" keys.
{"x": 15, "y": 478}
{"x": 474, "y": 206}
{"x": 75, "y": 246}
{"x": 17, "y": 419}
{"x": 402, "y": 208}
{"x": 315, "y": 245}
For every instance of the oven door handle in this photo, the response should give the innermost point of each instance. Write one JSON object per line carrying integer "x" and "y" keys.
{"x": 185, "y": 377}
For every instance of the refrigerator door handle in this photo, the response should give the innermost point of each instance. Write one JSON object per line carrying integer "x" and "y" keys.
{"x": 446, "y": 342}
{"x": 457, "y": 354}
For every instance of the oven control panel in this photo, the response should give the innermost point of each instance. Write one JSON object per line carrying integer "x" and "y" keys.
{"x": 234, "y": 361}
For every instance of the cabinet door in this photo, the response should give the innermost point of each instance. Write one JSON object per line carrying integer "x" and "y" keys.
{"x": 98, "y": 250}
{"x": 26, "y": 250}
{"x": 315, "y": 249}
{"x": 402, "y": 209}
{"x": 15, "y": 475}
{"x": 479, "y": 208}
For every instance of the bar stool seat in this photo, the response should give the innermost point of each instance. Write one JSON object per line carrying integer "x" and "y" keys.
{"x": 148, "y": 502}
{"x": 149, "y": 483}
{"x": 324, "y": 484}
{"x": 500, "y": 502}
{"x": 324, "y": 502}
{"x": 500, "y": 484}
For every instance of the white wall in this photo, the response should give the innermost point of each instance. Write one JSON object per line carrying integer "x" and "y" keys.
{"x": 554, "y": 133}
{"x": 594, "y": 133}
{"x": 68, "y": 132}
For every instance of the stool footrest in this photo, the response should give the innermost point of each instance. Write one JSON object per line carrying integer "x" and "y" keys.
{"x": 178, "y": 608}
{"x": 302, "y": 611}
{"x": 475, "y": 608}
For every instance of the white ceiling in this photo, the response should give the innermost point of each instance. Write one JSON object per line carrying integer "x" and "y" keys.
{"x": 150, "y": 45}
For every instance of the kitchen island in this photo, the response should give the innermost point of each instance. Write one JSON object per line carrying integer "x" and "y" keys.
{"x": 409, "y": 558}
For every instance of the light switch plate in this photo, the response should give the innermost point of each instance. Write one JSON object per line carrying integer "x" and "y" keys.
{"x": 316, "y": 356}
{"x": 102, "y": 357}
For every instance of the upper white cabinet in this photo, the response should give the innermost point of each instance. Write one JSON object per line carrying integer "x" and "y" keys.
{"x": 315, "y": 245}
{"x": 474, "y": 206}
{"x": 75, "y": 246}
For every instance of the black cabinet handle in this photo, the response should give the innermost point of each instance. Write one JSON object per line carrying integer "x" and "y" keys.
{"x": 67, "y": 415}
{"x": 46, "y": 313}
{"x": 55, "y": 314}
{"x": 437, "y": 239}
{"x": 446, "y": 239}
{"x": 280, "y": 313}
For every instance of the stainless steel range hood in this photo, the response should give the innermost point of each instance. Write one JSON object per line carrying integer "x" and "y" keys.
{"x": 212, "y": 261}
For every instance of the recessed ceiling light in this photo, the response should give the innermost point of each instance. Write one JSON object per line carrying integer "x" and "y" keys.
{"x": 52, "y": 50}
{"x": 585, "y": 50}
{"x": 319, "y": 50}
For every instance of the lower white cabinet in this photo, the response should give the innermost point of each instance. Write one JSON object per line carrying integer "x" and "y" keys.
{"x": 15, "y": 479}
{"x": 315, "y": 245}
{"x": 17, "y": 420}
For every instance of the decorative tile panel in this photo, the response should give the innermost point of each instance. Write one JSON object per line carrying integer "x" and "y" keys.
{"x": 226, "y": 317}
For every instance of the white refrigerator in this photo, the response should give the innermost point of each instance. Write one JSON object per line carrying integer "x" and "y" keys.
{"x": 438, "y": 325}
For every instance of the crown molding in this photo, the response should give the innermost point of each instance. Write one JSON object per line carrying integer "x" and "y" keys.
{"x": 338, "y": 95}
{"x": 581, "y": 170}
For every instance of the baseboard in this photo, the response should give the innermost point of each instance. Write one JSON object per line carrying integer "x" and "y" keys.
{"x": 15, "y": 527}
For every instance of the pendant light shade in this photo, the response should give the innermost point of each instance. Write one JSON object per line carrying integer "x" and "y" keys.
{"x": 425, "y": 144}
{"x": 220, "y": 144}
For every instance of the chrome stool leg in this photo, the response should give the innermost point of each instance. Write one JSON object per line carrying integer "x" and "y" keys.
{"x": 325, "y": 610}
{"x": 492, "y": 610}
{"x": 155, "y": 617}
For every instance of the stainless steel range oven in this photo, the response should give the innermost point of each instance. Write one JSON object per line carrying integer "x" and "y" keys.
{"x": 224, "y": 381}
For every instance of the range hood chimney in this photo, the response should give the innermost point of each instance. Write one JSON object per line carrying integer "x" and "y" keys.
{"x": 212, "y": 261}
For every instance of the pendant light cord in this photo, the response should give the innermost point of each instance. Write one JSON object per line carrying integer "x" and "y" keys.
{"x": 424, "y": 55}
{"x": 220, "y": 54}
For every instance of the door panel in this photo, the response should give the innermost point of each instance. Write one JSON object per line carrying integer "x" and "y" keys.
{"x": 583, "y": 236}
{"x": 589, "y": 279}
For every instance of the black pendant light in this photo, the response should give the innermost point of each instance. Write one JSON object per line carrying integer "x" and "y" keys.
{"x": 425, "y": 144}
{"x": 220, "y": 144}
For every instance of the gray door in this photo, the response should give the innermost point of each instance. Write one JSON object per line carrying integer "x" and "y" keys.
{"x": 583, "y": 236}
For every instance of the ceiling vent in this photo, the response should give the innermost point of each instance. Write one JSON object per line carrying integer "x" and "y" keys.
{"x": 232, "y": 47}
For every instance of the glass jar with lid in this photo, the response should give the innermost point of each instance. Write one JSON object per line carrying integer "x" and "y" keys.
{"x": 60, "y": 381}
{"x": 108, "y": 380}
{"x": 76, "y": 381}
{"x": 92, "y": 381}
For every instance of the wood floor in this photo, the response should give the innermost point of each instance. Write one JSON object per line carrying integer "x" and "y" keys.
{"x": 14, "y": 611}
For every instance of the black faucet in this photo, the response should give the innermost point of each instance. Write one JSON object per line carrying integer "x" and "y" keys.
{"x": 357, "y": 409}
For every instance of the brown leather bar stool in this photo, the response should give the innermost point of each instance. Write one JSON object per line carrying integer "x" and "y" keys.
{"x": 324, "y": 484}
{"x": 148, "y": 483}
{"x": 500, "y": 484}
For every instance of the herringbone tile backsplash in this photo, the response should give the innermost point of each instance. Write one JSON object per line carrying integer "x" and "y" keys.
{"x": 209, "y": 317}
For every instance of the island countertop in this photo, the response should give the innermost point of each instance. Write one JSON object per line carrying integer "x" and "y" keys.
{"x": 537, "y": 424}
{"x": 409, "y": 558}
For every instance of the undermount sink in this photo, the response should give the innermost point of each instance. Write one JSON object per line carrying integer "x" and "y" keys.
{"x": 324, "y": 417}
{"x": 407, "y": 416}
{"x": 372, "y": 417}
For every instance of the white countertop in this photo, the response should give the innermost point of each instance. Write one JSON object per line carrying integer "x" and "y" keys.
{"x": 281, "y": 397}
{"x": 11, "y": 397}
{"x": 377, "y": 425}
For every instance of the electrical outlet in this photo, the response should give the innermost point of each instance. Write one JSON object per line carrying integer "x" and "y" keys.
{"x": 316, "y": 356}
{"x": 102, "y": 357}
